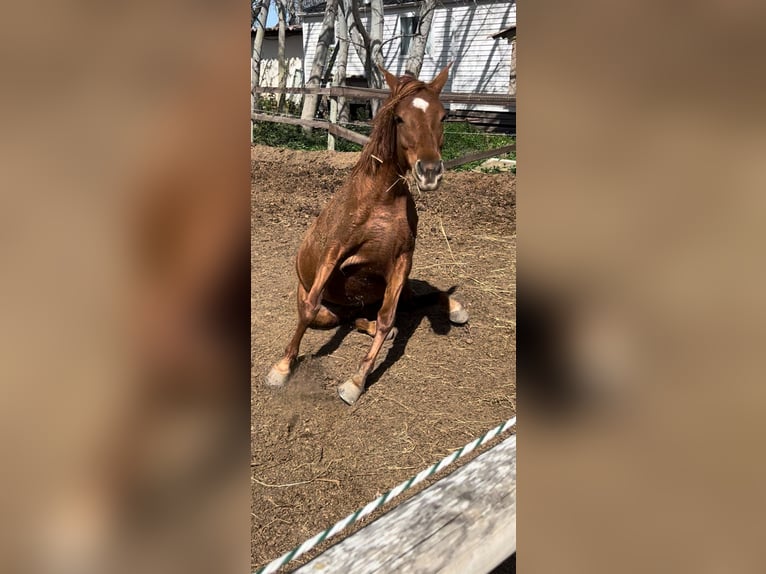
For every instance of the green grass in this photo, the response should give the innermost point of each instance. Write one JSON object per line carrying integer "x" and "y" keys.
{"x": 293, "y": 137}
{"x": 460, "y": 138}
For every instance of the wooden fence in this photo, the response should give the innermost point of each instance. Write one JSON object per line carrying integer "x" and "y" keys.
{"x": 333, "y": 129}
{"x": 465, "y": 522}
{"x": 370, "y": 93}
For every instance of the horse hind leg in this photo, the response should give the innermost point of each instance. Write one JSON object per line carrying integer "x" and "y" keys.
{"x": 415, "y": 295}
{"x": 457, "y": 312}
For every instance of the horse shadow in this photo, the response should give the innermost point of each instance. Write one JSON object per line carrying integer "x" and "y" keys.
{"x": 409, "y": 315}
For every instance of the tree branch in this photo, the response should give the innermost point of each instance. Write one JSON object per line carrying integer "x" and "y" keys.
{"x": 358, "y": 22}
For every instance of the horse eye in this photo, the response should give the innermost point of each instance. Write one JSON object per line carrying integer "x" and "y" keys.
{"x": 399, "y": 120}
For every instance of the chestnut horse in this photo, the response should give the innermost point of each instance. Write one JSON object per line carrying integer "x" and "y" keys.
{"x": 359, "y": 250}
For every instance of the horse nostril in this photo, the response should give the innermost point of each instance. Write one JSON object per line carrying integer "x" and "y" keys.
{"x": 419, "y": 168}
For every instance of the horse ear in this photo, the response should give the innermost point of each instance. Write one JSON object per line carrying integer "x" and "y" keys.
{"x": 391, "y": 80}
{"x": 437, "y": 84}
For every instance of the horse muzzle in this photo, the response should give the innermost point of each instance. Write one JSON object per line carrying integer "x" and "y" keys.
{"x": 428, "y": 174}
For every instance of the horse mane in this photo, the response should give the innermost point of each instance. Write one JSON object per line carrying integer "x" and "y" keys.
{"x": 381, "y": 147}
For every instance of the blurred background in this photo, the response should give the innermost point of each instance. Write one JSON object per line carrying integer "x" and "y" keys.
{"x": 124, "y": 224}
{"x": 640, "y": 201}
{"x": 125, "y": 334}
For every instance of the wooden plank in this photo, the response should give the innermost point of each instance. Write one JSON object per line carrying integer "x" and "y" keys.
{"x": 465, "y": 522}
{"x": 359, "y": 93}
{"x": 273, "y": 90}
{"x": 335, "y": 91}
{"x": 339, "y": 131}
{"x": 369, "y": 93}
{"x": 362, "y": 139}
{"x": 347, "y": 134}
{"x": 479, "y": 155}
{"x": 486, "y": 99}
{"x": 258, "y": 117}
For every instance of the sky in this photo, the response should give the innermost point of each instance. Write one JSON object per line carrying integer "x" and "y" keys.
{"x": 271, "y": 19}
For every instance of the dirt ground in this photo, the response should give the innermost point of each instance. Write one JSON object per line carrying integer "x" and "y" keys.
{"x": 314, "y": 459}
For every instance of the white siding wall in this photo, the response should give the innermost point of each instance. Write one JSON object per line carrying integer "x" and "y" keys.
{"x": 270, "y": 64}
{"x": 459, "y": 32}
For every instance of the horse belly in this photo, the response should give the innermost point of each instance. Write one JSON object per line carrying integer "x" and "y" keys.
{"x": 355, "y": 286}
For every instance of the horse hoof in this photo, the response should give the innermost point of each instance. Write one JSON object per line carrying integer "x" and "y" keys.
{"x": 458, "y": 315}
{"x": 349, "y": 392}
{"x": 276, "y": 378}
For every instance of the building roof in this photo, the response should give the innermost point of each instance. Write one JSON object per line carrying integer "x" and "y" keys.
{"x": 312, "y": 7}
{"x": 274, "y": 30}
{"x": 317, "y": 7}
{"x": 506, "y": 33}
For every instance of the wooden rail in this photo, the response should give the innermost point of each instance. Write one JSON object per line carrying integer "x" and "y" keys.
{"x": 479, "y": 155}
{"x": 369, "y": 93}
{"x": 334, "y": 129}
{"x": 465, "y": 522}
{"x": 362, "y": 139}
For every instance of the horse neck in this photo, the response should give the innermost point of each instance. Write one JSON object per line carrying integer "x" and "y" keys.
{"x": 387, "y": 182}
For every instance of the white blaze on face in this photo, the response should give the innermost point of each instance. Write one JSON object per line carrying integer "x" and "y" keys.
{"x": 420, "y": 104}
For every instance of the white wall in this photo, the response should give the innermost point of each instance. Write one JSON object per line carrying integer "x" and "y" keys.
{"x": 270, "y": 64}
{"x": 460, "y": 32}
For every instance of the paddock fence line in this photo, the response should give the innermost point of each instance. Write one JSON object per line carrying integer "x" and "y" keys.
{"x": 362, "y": 139}
{"x": 371, "y": 93}
{"x": 336, "y": 130}
{"x": 332, "y": 128}
{"x": 301, "y": 549}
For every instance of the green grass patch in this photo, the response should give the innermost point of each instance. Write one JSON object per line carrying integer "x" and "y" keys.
{"x": 460, "y": 138}
{"x": 293, "y": 137}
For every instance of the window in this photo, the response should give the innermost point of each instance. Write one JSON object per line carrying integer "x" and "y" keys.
{"x": 410, "y": 29}
{"x": 409, "y": 26}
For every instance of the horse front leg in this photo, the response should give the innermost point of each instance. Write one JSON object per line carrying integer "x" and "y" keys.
{"x": 311, "y": 313}
{"x": 352, "y": 389}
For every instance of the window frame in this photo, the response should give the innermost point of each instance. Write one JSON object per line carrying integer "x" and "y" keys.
{"x": 410, "y": 37}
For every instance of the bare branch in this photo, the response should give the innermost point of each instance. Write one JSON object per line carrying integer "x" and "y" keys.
{"x": 358, "y": 22}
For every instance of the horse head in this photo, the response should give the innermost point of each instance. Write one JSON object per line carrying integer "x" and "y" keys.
{"x": 417, "y": 116}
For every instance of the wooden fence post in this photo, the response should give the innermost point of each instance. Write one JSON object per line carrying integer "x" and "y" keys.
{"x": 333, "y": 120}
